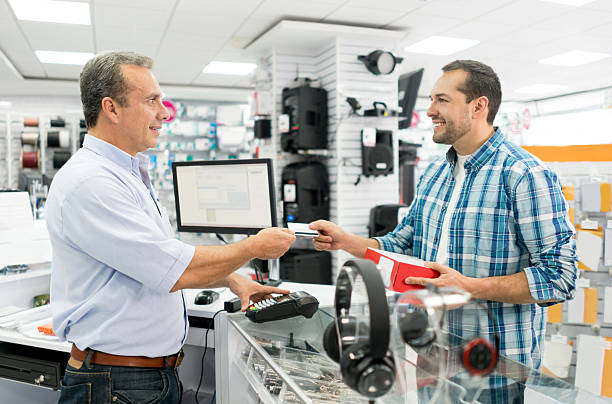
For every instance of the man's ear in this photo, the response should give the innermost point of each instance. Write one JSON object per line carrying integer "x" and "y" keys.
{"x": 109, "y": 109}
{"x": 480, "y": 107}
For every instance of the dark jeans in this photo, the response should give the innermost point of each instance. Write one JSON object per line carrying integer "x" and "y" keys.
{"x": 118, "y": 385}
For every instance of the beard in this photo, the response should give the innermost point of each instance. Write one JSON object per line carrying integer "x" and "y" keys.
{"x": 453, "y": 131}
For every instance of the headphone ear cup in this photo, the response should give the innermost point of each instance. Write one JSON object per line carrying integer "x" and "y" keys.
{"x": 330, "y": 342}
{"x": 413, "y": 325}
{"x": 368, "y": 376}
{"x": 479, "y": 356}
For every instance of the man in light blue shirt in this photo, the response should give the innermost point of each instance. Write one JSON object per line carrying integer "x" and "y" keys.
{"x": 117, "y": 270}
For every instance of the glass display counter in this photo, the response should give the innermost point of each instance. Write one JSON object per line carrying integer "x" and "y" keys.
{"x": 284, "y": 362}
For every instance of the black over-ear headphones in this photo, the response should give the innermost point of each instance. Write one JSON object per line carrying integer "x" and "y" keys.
{"x": 367, "y": 367}
{"x": 478, "y": 355}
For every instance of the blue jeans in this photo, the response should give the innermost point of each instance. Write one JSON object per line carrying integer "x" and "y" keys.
{"x": 101, "y": 384}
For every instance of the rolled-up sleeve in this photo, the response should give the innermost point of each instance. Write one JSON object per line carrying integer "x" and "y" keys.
{"x": 114, "y": 229}
{"x": 543, "y": 226}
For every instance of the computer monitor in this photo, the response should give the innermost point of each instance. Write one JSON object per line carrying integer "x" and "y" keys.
{"x": 224, "y": 196}
{"x": 408, "y": 90}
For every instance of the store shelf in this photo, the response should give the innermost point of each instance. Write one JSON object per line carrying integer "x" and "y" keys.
{"x": 30, "y": 274}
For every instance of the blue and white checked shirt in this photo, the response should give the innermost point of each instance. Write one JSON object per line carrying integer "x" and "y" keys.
{"x": 115, "y": 258}
{"x": 511, "y": 216}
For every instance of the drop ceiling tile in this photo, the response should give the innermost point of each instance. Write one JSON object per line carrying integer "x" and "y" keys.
{"x": 464, "y": 9}
{"x": 480, "y": 30}
{"x": 122, "y": 16}
{"x": 603, "y": 5}
{"x": 298, "y": 9}
{"x": 527, "y": 37}
{"x": 161, "y": 5}
{"x": 525, "y": 13}
{"x": 602, "y": 31}
{"x": 426, "y": 24}
{"x": 59, "y": 37}
{"x": 577, "y": 21}
{"x": 397, "y": 5}
{"x": 373, "y": 17}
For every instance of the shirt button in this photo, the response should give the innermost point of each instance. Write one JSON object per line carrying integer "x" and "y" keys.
{"x": 444, "y": 208}
{"x": 435, "y": 239}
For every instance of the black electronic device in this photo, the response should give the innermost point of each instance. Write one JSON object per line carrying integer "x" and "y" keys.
{"x": 306, "y": 266}
{"x": 385, "y": 218}
{"x": 206, "y": 297}
{"x": 354, "y": 104}
{"x": 362, "y": 350}
{"x": 408, "y": 89}
{"x": 262, "y": 127}
{"x": 376, "y": 152}
{"x": 224, "y": 196}
{"x": 305, "y": 189}
{"x": 307, "y": 110}
{"x": 285, "y": 306}
{"x": 379, "y": 109}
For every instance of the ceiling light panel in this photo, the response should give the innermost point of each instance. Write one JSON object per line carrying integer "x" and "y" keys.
{"x": 65, "y": 12}
{"x": 574, "y": 58}
{"x": 575, "y": 3}
{"x": 63, "y": 58}
{"x": 441, "y": 45}
{"x": 230, "y": 68}
{"x": 540, "y": 89}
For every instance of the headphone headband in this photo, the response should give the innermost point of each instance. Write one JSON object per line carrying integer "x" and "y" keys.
{"x": 377, "y": 302}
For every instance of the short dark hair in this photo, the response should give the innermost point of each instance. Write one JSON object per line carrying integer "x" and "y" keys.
{"x": 481, "y": 81}
{"x": 102, "y": 77}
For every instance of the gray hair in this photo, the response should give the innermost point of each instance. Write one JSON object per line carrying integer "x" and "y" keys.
{"x": 102, "y": 77}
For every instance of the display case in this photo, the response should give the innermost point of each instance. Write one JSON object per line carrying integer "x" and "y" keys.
{"x": 284, "y": 362}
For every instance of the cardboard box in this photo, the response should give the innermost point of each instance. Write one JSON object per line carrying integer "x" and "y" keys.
{"x": 397, "y": 267}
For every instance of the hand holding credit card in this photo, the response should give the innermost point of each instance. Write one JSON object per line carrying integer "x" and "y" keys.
{"x": 302, "y": 230}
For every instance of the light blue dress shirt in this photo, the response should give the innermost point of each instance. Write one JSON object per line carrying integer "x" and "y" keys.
{"x": 115, "y": 258}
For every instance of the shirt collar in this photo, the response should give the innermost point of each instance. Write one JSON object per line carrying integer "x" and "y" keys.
{"x": 480, "y": 156}
{"x": 116, "y": 155}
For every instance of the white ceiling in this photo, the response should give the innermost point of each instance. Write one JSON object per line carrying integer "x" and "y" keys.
{"x": 182, "y": 36}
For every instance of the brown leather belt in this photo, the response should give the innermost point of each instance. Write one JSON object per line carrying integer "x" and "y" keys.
{"x": 101, "y": 358}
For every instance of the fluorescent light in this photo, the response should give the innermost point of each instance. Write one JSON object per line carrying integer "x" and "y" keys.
{"x": 5, "y": 104}
{"x": 441, "y": 45}
{"x": 66, "y": 12}
{"x": 576, "y": 3}
{"x": 63, "y": 58}
{"x": 540, "y": 89}
{"x": 574, "y": 58}
{"x": 237, "y": 69}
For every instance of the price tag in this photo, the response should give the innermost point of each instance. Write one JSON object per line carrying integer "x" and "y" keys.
{"x": 589, "y": 224}
{"x": 609, "y": 225}
{"x": 558, "y": 338}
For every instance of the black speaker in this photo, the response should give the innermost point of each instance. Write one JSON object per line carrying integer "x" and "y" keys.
{"x": 385, "y": 218}
{"x": 376, "y": 152}
{"x": 263, "y": 128}
{"x": 306, "y": 266}
{"x": 305, "y": 192}
{"x": 307, "y": 110}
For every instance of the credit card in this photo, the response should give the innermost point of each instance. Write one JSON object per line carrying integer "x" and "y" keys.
{"x": 302, "y": 230}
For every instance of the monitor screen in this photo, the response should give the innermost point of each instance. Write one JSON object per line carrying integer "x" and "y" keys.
{"x": 224, "y": 196}
{"x": 408, "y": 89}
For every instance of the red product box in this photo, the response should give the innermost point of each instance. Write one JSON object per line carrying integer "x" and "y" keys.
{"x": 394, "y": 268}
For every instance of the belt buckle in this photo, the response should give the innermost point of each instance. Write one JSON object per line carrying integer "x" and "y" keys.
{"x": 179, "y": 358}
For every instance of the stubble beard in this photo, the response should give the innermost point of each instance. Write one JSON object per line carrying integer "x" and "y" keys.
{"x": 452, "y": 132}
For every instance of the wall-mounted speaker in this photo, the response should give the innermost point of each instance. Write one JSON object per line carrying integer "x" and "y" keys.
{"x": 376, "y": 152}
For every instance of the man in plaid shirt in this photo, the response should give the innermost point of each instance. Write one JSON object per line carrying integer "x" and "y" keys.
{"x": 489, "y": 216}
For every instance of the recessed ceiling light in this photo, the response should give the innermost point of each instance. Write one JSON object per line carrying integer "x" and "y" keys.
{"x": 540, "y": 89}
{"x": 574, "y": 58}
{"x": 63, "y": 58}
{"x": 441, "y": 45}
{"x": 237, "y": 69}
{"x": 576, "y": 3}
{"x": 5, "y": 104}
{"x": 66, "y": 12}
